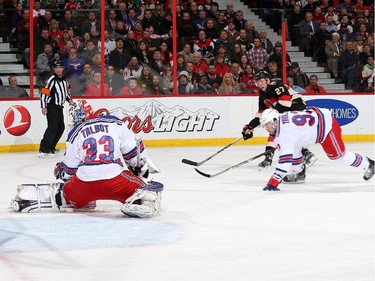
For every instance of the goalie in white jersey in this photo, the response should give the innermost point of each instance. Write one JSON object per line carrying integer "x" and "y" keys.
{"x": 93, "y": 169}
{"x": 296, "y": 129}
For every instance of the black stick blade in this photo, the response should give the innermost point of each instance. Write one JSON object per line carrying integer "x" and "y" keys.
{"x": 202, "y": 174}
{"x": 189, "y": 162}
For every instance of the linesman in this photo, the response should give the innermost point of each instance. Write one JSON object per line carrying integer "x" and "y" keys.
{"x": 52, "y": 97}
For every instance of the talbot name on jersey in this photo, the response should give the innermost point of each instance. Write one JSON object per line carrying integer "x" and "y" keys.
{"x": 94, "y": 129}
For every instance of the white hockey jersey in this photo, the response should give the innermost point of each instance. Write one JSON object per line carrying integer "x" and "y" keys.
{"x": 96, "y": 149}
{"x": 298, "y": 129}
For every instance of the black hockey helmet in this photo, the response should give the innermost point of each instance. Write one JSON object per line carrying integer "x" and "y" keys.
{"x": 262, "y": 74}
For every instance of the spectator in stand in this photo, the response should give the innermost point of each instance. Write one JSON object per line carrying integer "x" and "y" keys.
{"x": 243, "y": 41}
{"x": 186, "y": 53}
{"x": 199, "y": 64}
{"x": 318, "y": 43}
{"x": 65, "y": 38}
{"x": 232, "y": 32}
{"x": 149, "y": 20}
{"x": 166, "y": 79}
{"x": 72, "y": 5}
{"x": 368, "y": 75}
{"x": 165, "y": 24}
{"x": 257, "y": 55}
{"x": 44, "y": 64}
{"x": 133, "y": 17}
{"x": 89, "y": 52}
{"x": 290, "y": 83}
{"x": 73, "y": 67}
{"x": 318, "y": 15}
{"x": 134, "y": 69}
{"x": 348, "y": 63}
{"x": 362, "y": 33}
{"x": 109, "y": 46}
{"x": 299, "y": 78}
{"x": 68, "y": 22}
{"x": 310, "y": 6}
{"x": 358, "y": 21}
{"x": 229, "y": 12}
{"x": 293, "y": 21}
{"x": 130, "y": 44}
{"x": 345, "y": 34}
{"x": 274, "y": 71}
{"x": 199, "y": 22}
{"x": 266, "y": 43}
{"x": 331, "y": 13}
{"x": 24, "y": 44}
{"x": 221, "y": 21}
{"x": 92, "y": 26}
{"x": 203, "y": 87}
{"x": 223, "y": 41}
{"x": 236, "y": 73}
{"x": 157, "y": 62}
{"x": 221, "y": 66}
{"x": 114, "y": 80}
{"x": 314, "y": 87}
{"x": 54, "y": 32}
{"x": 37, "y": 10}
{"x": 145, "y": 80}
{"x": 244, "y": 61}
{"x": 138, "y": 31}
{"x": 184, "y": 85}
{"x": 204, "y": 46}
{"x": 307, "y": 29}
{"x": 155, "y": 88}
{"x": 235, "y": 55}
{"x": 248, "y": 81}
{"x": 277, "y": 56}
{"x": 142, "y": 53}
{"x": 17, "y": 17}
{"x": 119, "y": 57}
{"x": 229, "y": 86}
{"x": 111, "y": 21}
{"x": 333, "y": 52}
{"x": 84, "y": 80}
{"x": 192, "y": 76}
{"x": 347, "y": 4}
{"x": 186, "y": 28}
{"x": 132, "y": 89}
{"x": 239, "y": 20}
{"x": 369, "y": 19}
{"x": 213, "y": 79}
{"x": 13, "y": 90}
{"x": 330, "y": 25}
{"x": 362, "y": 57}
{"x": 121, "y": 12}
{"x": 83, "y": 41}
{"x": 359, "y": 8}
{"x": 120, "y": 31}
{"x": 42, "y": 40}
{"x": 358, "y": 45}
{"x": 181, "y": 64}
{"x": 94, "y": 88}
{"x": 211, "y": 30}
{"x": 347, "y": 21}
{"x": 165, "y": 53}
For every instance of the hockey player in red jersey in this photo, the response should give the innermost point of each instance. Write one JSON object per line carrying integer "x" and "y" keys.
{"x": 293, "y": 130}
{"x": 281, "y": 97}
{"x": 92, "y": 169}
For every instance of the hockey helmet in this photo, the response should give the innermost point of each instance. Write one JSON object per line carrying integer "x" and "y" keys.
{"x": 80, "y": 111}
{"x": 262, "y": 74}
{"x": 268, "y": 116}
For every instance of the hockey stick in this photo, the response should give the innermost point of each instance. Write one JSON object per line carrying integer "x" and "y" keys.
{"x": 193, "y": 163}
{"x": 235, "y": 166}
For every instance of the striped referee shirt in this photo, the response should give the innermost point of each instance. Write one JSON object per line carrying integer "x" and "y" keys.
{"x": 55, "y": 91}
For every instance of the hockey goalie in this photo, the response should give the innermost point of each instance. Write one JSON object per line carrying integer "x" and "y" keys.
{"x": 93, "y": 168}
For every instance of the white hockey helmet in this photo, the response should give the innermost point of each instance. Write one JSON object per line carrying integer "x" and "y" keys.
{"x": 80, "y": 111}
{"x": 268, "y": 116}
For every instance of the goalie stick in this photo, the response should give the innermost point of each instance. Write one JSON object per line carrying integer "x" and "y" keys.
{"x": 234, "y": 166}
{"x": 193, "y": 163}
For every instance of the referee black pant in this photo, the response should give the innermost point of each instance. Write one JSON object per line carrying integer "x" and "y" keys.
{"x": 55, "y": 128}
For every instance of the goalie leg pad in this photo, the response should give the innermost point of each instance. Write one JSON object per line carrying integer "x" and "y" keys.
{"x": 32, "y": 198}
{"x": 145, "y": 202}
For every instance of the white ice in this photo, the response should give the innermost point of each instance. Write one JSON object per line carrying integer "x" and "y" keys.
{"x": 222, "y": 228}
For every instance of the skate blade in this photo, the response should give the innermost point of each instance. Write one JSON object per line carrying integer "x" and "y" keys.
{"x": 294, "y": 182}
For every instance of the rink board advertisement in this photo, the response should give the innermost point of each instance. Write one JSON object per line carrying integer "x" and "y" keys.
{"x": 182, "y": 120}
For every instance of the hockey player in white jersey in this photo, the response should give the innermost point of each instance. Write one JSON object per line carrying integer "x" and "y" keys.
{"x": 93, "y": 169}
{"x": 295, "y": 129}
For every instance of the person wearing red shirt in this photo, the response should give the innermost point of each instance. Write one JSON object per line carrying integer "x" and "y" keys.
{"x": 94, "y": 88}
{"x": 221, "y": 67}
{"x": 314, "y": 88}
{"x": 132, "y": 89}
{"x": 199, "y": 65}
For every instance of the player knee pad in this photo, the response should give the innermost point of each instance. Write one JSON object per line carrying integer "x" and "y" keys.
{"x": 145, "y": 202}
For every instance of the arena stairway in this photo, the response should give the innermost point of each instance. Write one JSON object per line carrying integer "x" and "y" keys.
{"x": 306, "y": 64}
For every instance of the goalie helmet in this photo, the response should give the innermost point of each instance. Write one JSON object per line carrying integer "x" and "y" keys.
{"x": 80, "y": 111}
{"x": 268, "y": 116}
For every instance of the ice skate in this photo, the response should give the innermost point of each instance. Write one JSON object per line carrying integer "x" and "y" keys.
{"x": 370, "y": 170}
{"x": 296, "y": 177}
{"x": 310, "y": 157}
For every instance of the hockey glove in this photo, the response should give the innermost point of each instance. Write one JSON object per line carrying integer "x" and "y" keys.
{"x": 60, "y": 173}
{"x": 247, "y": 132}
{"x": 141, "y": 171}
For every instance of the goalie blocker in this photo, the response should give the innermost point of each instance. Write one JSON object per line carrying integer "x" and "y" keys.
{"x": 144, "y": 203}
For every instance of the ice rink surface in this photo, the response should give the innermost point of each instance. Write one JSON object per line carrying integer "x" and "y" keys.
{"x": 222, "y": 228}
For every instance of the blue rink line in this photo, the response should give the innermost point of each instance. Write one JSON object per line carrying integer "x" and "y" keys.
{"x": 74, "y": 232}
